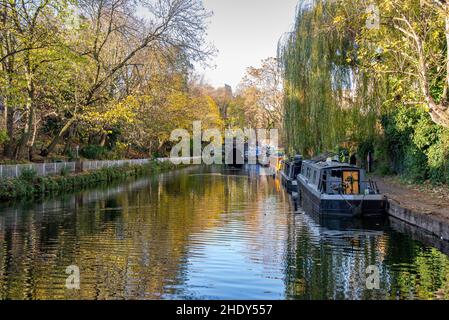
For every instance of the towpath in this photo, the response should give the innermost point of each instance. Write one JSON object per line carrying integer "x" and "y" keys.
{"x": 424, "y": 198}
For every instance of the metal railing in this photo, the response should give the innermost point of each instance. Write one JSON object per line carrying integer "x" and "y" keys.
{"x": 96, "y": 165}
{"x": 41, "y": 169}
{"x": 56, "y": 168}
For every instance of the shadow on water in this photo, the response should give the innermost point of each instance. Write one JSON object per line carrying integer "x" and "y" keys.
{"x": 208, "y": 232}
{"x": 330, "y": 256}
{"x": 420, "y": 235}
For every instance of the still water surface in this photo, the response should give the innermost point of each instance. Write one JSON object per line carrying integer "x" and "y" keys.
{"x": 208, "y": 233}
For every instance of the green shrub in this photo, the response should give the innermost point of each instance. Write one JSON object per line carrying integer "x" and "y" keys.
{"x": 29, "y": 185}
{"x": 438, "y": 159}
{"x": 65, "y": 172}
{"x": 94, "y": 152}
{"x": 3, "y": 136}
{"x": 28, "y": 175}
{"x": 413, "y": 145}
{"x": 15, "y": 188}
{"x": 71, "y": 154}
{"x": 415, "y": 164}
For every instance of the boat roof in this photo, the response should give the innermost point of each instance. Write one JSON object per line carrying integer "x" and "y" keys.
{"x": 297, "y": 159}
{"x": 331, "y": 165}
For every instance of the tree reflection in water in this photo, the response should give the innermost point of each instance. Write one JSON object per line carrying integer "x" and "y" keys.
{"x": 205, "y": 233}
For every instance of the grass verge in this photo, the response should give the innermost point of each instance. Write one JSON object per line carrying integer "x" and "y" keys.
{"x": 29, "y": 185}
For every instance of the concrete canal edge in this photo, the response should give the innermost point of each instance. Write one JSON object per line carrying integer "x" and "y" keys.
{"x": 422, "y": 220}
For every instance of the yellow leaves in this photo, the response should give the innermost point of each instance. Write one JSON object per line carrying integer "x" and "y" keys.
{"x": 177, "y": 101}
{"x": 436, "y": 35}
{"x": 213, "y": 118}
{"x": 338, "y": 19}
{"x": 112, "y": 114}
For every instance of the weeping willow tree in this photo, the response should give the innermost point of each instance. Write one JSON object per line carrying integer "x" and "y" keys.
{"x": 328, "y": 101}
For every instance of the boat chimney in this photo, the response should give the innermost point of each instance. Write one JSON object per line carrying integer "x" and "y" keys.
{"x": 298, "y": 158}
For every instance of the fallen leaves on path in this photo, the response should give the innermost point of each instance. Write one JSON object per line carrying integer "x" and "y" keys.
{"x": 428, "y": 198}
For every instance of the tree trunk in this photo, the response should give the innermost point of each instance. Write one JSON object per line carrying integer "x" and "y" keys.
{"x": 26, "y": 135}
{"x": 29, "y": 123}
{"x": 439, "y": 114}
{"x": 103, "y": 139}
{"x": 8, "y": 150}
{"x": 32, "y": 142}
{"x": 446, "y": 85}
{"x": 50, "y": 148}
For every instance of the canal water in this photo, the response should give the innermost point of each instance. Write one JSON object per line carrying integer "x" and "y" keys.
{"x": 208, "y": 233}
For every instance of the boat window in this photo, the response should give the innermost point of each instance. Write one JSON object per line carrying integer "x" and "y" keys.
{"x": 351, "y": 182}
{"x": 296, "y": 171}
{"x": 336, "y": 173}
{"x": 324, "y": 182}
{"x": 314, "y": 176}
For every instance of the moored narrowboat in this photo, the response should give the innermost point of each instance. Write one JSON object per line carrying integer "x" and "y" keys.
{"x": 334, "y": 188}
{"x": 289, "y": 172}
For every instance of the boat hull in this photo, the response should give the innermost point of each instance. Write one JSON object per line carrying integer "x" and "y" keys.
{"x": 355, "y": 206}
{"x": 288, "y": 183}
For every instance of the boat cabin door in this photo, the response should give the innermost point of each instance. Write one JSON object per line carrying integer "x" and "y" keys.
{"x": 351, "y": 182}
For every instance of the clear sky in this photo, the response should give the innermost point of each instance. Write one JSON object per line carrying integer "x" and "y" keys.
{"x": 245, "y": 32}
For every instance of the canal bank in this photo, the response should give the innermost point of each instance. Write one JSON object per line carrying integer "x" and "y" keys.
{"x": 423, "y": 206}
{"x": 30, "y": 185}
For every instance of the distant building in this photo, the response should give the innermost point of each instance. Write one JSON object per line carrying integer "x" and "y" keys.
{"x": 224, "y": 100}
{"x": 228, "y": 91}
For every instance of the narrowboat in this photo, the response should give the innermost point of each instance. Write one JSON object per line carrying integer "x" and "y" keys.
{"x": 334, "y": 188}
{"x": 289, "y": 172}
